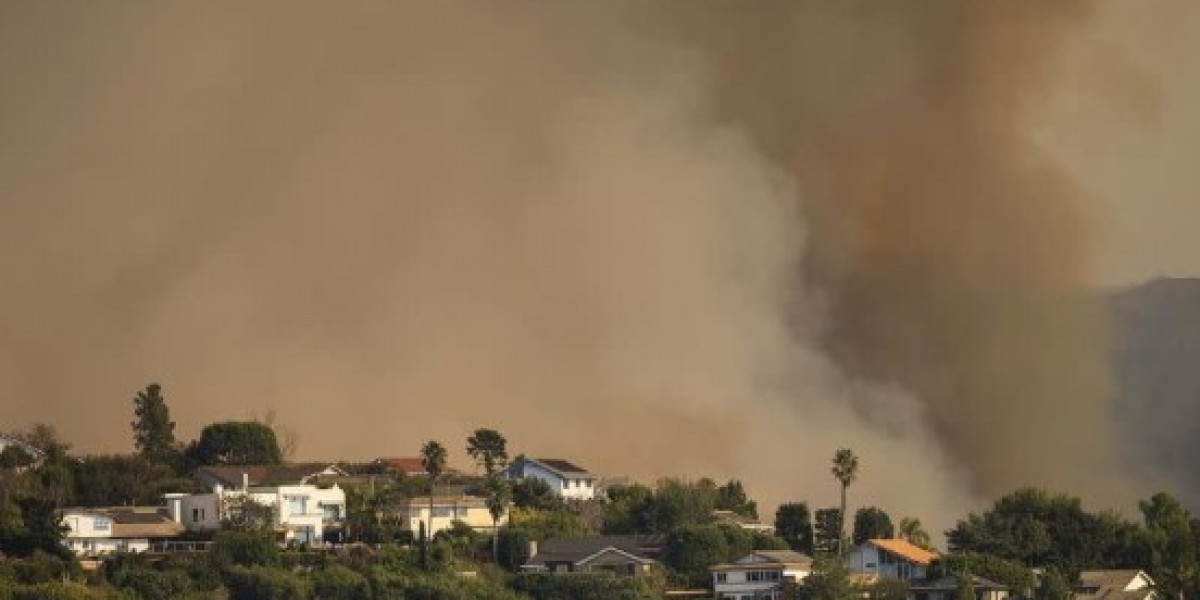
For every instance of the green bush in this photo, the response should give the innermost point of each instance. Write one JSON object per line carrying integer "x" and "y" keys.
{"x": 588, "y": 586}
{"x": 265, "y": 583}
{"x": 336, "y": 582}
{"x": 244, "y": 548}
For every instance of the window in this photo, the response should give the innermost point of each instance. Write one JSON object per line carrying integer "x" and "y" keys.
{"x": 297, "y": 505}
{"x": 195, "y": 515}
{"x": 443, "y": 512}
{"x": 331, "y": 512}
{"x": 100, "y": 524}
{"x": 721, "y": 577}
{"x": 462, "y": 512}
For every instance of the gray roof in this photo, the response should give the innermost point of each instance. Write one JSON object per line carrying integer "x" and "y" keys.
{"x": 575, "y": 549}
{"x": 563, "y": 468}
{"x": 262, "y": 475}
{"x": 950, "y": 582}
{"x": 1110, "y": 585}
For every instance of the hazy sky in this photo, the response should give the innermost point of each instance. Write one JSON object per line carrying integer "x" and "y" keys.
{"x": 1126, "y": 122}
{"x": 714, "y": 235}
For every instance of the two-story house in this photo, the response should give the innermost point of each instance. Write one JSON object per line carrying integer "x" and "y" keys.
{"x": 99, "y": 531}
{"x": 891, "y": 558}
{"x": 470, "y": 510}
{"x": 302, "y": 513}
{"x": 759, "y": 575}
{"x": 568, "y": 480}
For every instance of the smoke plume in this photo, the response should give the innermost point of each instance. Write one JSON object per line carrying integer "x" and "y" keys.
{"x": 719, "y": 239}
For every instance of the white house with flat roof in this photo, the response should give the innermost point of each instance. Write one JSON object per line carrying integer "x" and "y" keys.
{"x": 301, "y": 512}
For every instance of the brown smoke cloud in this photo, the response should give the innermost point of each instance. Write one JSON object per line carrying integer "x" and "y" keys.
{"x": 723, "y": 240}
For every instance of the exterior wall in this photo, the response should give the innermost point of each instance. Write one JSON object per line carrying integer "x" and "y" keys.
{"x": 574, "y": 488}
{"x": 867, "y": 558}
{"x": 446, "y": 513}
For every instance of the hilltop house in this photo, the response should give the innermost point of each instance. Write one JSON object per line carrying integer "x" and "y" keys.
{"x": 1116, "y": 585}
{"x": 470, "y": 510}
{"x": 760, "y": 574}
{"x": 897, "y": 559}
{"x": 300, "y": 512}
{"x": 568, "y": 480}
{"x": 99, "y": 531}
{"x": 620, "y": 554}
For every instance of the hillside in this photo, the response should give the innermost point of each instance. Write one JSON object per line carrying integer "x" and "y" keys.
{"x": 1157, "y": 360}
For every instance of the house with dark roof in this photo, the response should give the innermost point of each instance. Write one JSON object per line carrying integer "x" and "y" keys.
{"x": 99, "y": 531}
{"x": 892, "y": 558}
{"x": 760, "y": 574}
{"x": 243, "y": 476}
{"x": 567, "y": 479}
{"x": 946, "y": 588}
{"x": 620, "y": 554}
{"x": 1129, "y": 584}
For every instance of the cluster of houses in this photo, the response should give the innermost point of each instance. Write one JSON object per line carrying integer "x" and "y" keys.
{"x": 308, "y": 506}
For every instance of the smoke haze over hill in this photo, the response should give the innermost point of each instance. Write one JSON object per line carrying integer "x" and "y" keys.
{"x": 656, "y": 241}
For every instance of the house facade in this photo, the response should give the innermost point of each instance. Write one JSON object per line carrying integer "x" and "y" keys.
{"x": 891, "y": 558}
{"x": 759, "y": 575}
{"x": 100, "y": 531}
{"x": 620, "y": 554}
{"x": 568, "y": 480}
{"x": 302, "y": 513}
{"x": 470, "y": 510}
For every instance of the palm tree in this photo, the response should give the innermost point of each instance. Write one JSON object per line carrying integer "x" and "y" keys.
{"x": 499, "y": 494}
{"x": 433, "y": 457}
{"x": 912, "y": 531}
{"x": 845, "y": 469}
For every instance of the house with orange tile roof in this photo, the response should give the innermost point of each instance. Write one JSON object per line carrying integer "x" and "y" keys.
{"x": 893, "y": 558}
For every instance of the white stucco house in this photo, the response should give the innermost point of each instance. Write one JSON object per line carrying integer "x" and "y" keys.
{"x": 100, "y": 531}
{"x": 891, "y": 558}
{"x": 301, "y": 512}
{"x": 568, "y": 480}
{"x": 470, "y": 510}
{"x": 759, "y": 575}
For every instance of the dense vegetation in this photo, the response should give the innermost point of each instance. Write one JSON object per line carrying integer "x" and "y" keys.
{"x": 1026, "y": 529}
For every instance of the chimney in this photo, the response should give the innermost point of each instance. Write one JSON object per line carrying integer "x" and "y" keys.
{"x": 245, "y": 481}
{"x": 533, "y": 548}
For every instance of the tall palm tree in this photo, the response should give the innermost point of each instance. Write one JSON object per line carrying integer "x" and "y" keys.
{"x": 845, "y": 469}
{"x": 433, "y": 458}
{"x": 499, "y": 494}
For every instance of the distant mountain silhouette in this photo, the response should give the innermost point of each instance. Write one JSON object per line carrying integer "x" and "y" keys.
{"x": 1157, "y": 361}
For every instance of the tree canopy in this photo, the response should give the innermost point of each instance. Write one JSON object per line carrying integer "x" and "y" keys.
{"x": 793, "y": 523}
{"x": 489, "y": 448}
{"x": 872, "y": 523}
{"x": 236, "y": 443}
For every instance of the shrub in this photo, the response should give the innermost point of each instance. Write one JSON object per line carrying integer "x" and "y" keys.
{"x": 244, "y": 548}
{"x": 336, "y": 582}
{"x": 265, "y": 583}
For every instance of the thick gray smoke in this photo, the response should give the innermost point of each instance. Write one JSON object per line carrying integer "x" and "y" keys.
{"x": 715, "y": 239}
